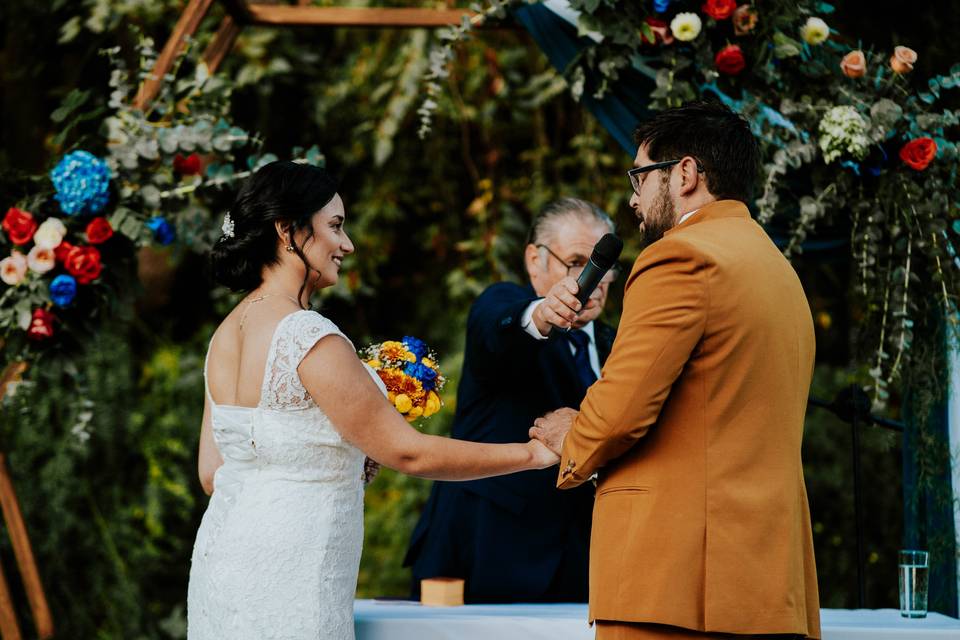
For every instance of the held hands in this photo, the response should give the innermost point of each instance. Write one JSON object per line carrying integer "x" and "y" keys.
{"x": 560, "y": 308}
{"x": 553, "y": 427}
{"x": 542, "y": 456}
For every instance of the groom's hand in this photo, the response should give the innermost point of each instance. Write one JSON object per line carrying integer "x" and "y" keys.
{"x": 553, "y": 427}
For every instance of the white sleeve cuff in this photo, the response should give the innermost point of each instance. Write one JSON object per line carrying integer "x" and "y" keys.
{"x": 526, "y": 320}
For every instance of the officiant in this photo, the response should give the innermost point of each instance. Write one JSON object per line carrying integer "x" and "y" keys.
{"x": 516, "y": 538}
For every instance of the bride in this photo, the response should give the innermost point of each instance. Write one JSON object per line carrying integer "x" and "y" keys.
{"x": 290, "y": 414}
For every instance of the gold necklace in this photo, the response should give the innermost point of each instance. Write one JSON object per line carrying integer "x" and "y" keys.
{"x": 251, "y": 301}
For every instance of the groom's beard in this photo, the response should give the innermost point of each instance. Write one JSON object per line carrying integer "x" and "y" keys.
{"x": 660, "y": 219}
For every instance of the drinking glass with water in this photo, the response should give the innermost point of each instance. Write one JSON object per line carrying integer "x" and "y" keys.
{"x": 914, "y": 570}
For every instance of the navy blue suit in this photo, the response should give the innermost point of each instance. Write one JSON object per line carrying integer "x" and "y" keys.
{"x": 514, "y": 538}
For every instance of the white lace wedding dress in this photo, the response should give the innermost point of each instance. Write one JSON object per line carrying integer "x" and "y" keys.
{"x": 277, "y": 552}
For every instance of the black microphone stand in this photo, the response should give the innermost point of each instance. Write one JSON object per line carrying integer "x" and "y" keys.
{"x": 852, "y": 405}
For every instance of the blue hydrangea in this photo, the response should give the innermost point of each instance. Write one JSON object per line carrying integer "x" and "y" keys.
{"x": 163, "y": 232}
{"x": 661, "y": 6}
{"x": 416, "y": 346}
{"x": 82, "y": 182}
{"x": 423, "y": 373}
{"x": 63, "y": 290}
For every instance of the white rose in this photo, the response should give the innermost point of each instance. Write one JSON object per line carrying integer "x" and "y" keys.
{"x": 41, "y": 259}
{"x": 50, "y": 233}
{"x": 13, "y": 268}
{"x": 686, "y": 26}
{"x": 815, "y": 31}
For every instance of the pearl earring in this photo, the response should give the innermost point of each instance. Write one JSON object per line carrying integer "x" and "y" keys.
{"x": 290, "y": 248}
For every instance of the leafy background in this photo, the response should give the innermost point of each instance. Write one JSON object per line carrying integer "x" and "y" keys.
{"x": 112, "y": 516}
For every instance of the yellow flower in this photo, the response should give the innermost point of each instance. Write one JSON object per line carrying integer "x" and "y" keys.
{"x": 403, "y": 403}
{"x": 393, "y": 350}
{"x": 415, "y": 412}
{"x": 686, "y": 26}
{"x": 815, "y": 31}
{"x": 374, "y": 364}
{"x": 391, "y": 396}
{"x": 427, "y": 362}
{"x": 433, "y": 404}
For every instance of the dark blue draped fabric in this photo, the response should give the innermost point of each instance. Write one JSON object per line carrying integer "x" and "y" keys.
{"x": 621, "y": 109}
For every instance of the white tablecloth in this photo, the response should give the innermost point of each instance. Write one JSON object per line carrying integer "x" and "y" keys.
{"x": 393, "y": 620}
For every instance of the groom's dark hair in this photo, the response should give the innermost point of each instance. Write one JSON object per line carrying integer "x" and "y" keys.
{"x": 284, "y": 191}
{"x": 719, "y": 139}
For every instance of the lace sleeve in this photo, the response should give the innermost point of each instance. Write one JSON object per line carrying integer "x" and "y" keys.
{"x": 295, "y": 336}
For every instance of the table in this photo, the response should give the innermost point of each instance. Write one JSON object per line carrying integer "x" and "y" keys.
{"x": 405, "y": 620}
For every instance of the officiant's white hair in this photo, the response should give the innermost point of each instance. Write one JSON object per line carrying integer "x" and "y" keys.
{"x": 553, "y": 215}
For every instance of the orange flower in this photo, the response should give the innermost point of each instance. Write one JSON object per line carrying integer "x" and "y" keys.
{"x": 854, "y": 64}
{"x": 919, "y": 153}
{"x": 744, "y": 20}
{"x": 902, "y": 60}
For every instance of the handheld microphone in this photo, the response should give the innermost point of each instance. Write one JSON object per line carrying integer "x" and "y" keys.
{"x": 604, "y": 256}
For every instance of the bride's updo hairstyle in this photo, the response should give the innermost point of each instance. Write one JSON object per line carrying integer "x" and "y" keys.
{"x": 281, "y": 191}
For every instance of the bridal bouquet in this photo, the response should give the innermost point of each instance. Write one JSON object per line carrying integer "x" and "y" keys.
{"x": 409, "y": 370}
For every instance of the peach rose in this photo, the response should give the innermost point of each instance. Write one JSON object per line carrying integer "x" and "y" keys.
{"x": 854, "y": 64}
{"x": 744, "y": 20}
{"x": 902, "y": 60}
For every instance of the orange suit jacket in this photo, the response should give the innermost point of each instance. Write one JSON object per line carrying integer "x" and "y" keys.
{"x": 701, "y": 518}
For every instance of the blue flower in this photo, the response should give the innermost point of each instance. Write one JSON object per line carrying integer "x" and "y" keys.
{"x": 63, "y": 290}
{"x": 423, "y": 373}
{"x": 82, "y": 181}
{"x": 661, "y": 6}
{"x": 416, "y": 346}
{"x": 163, "y": 231}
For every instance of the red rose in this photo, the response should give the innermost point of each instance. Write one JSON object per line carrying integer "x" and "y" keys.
{"x": 99, "y": 230}
{"x": 19, "y": 225}
{"x": 62, "y": 251}
{"x": 189, "y": 166}
{"x": 719, "y": 9}
{"x": 919, "y": 153}
{"x": 83, "y": 263}
{"x": 730, "y": 60}
{"x": 41, "y": 325}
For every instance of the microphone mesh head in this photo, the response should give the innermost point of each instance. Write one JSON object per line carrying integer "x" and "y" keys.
{"x": 606, "y": 251}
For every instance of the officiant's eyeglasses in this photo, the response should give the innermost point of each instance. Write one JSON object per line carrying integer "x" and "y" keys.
{"x": 574, "y": 269}
{"x": 636, "y": 174}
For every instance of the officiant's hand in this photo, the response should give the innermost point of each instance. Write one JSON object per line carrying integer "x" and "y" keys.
{"x": 553, "y": 427}
{"x": 560, "y": 308}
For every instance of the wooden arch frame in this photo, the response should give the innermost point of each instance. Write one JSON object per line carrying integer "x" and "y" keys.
{"x": 241, "y": 14}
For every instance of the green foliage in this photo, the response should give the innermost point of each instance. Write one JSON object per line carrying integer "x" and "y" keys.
{"x": 107, "y": 483}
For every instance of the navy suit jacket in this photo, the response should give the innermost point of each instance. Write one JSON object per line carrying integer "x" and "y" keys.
{"x": 514, "y": 538}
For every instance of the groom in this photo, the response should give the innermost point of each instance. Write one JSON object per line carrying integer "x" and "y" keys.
{"x": 701, "y": 526}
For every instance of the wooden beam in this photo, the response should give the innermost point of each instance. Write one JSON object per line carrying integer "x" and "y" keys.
{"x": 9, "y": 629}
{"x": 285, "y": 15}
{"x": 239, "y": 10}
{"x": 24, "y": 554}
{"x": 187, "y": 26}
{"x": 221, "y": 44}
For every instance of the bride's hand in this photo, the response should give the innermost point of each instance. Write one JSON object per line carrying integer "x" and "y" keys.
{"x": 542, "y": 456}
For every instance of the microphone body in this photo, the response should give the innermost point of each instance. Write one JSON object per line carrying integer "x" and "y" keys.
{"x": 604, "y": 256}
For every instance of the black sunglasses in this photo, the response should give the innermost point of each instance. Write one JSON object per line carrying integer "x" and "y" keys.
{"x": 634, "y": 173}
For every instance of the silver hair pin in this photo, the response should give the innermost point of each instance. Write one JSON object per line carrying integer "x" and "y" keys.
{"x": 227, "y": 227}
